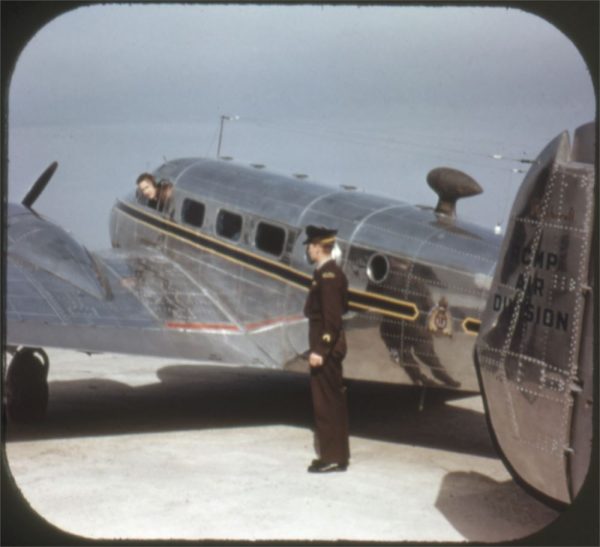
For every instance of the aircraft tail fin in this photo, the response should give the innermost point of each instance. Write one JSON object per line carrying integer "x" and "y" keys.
{"x": 534, "y": 348}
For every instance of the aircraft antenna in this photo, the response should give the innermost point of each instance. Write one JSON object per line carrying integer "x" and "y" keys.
{"x": 223, "y": 118}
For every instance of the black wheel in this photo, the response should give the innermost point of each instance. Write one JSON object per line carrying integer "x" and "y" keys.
{"x": 27, "y": 386}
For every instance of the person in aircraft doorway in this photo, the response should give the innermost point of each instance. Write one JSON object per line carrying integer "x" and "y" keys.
{"x": 157, "y": 194}
{"x": 326, "y": 303}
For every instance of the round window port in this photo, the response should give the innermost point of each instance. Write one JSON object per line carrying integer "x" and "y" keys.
{"x": 378, "y": 268}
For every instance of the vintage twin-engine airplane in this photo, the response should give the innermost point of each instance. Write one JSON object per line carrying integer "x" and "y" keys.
{"x": 221, "y": 275}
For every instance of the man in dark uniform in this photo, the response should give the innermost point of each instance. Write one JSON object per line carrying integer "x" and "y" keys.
{"x": 327, "y": 301}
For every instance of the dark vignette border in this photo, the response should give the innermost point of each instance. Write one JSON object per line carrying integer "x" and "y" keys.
{"x": 578, "y": 20}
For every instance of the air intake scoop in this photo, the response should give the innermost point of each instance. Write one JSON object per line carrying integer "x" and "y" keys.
{"x": 451, "y": 185}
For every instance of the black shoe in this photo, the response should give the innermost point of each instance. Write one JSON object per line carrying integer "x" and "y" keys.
{"x": 319, "y": 466}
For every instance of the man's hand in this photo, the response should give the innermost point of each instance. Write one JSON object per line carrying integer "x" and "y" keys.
{"x": 315, "y": 360}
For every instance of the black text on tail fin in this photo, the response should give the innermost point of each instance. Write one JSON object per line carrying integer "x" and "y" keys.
{"x": 534, "y": 348}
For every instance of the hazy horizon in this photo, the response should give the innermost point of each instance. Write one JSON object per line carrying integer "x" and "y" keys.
{"x": 373, "y": 96}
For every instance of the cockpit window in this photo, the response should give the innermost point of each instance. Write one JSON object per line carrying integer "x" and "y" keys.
{"x": 270, "y": 239}
{"x": 192, "y": 212}
{"x": 229, "y": 225}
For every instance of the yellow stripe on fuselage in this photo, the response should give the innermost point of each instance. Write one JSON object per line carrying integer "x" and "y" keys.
{"x": 262, "y": 271}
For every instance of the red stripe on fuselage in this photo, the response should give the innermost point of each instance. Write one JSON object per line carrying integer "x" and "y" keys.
{"x": 268, "y": 322}
{"x": 202, "y": 326}
{"x": 233, "y": 328}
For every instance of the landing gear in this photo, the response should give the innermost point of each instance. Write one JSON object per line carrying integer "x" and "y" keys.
{"x": 27, "y": 385}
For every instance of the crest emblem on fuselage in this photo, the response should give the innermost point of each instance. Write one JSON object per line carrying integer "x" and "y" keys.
{"x": 439, "y": 319}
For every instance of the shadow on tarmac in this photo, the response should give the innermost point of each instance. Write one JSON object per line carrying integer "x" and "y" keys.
{"x": 190, "y": 397}
{"x": 481, "y": 508}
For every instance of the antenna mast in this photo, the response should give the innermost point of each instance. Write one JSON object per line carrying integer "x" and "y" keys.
{"x": 223, "y": 118}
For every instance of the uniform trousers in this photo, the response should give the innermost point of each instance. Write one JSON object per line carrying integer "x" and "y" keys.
{"x": 330, "y": 412}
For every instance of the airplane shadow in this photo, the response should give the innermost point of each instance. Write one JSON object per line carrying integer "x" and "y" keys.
{"x": 485, "y": 510}
{"x": 190, "y": 397}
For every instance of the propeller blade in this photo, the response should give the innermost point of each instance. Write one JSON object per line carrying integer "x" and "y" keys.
{"x": 39, "y": 185}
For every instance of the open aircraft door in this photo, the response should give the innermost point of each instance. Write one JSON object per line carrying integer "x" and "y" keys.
{"x": 534, "y": 351}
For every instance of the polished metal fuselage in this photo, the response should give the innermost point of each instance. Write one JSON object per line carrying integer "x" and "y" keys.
{"x": 418, "y": 280}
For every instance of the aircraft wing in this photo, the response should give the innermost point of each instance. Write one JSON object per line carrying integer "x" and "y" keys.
{"x": 137, "y": 302}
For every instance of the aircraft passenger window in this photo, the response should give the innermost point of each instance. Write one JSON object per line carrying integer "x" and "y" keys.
{"x": 192, "y": 212}
{"x": 270, "y": 239}
{"x": 229, "y": 225}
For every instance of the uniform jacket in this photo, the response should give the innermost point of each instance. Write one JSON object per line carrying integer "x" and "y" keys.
{"x": 327, "y": 301}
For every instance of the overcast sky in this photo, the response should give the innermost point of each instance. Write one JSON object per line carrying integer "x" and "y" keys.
{"x": 170, "y": 63}
{"x": 372, "y": 96}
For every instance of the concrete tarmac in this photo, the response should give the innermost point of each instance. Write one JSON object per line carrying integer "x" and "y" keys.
{"x": 139, "y": 448}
